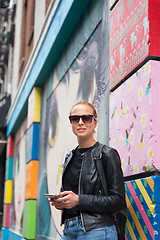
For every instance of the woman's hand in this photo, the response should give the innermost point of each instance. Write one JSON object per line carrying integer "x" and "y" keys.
{"x": 66, "y": 199}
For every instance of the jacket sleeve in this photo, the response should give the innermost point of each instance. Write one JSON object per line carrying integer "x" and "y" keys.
{"x": 115, "y": 200}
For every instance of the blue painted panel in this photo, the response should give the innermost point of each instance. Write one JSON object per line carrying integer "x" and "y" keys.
{"x": 157, "y": 208}
{"x": 33, "y": 142}
{"x": 5, "y": 233}
{"x": 156, "y": 189}
{"x": 14, "y": 236}
{"x": 9, "y": 168}
{"x": 156, "y": 226}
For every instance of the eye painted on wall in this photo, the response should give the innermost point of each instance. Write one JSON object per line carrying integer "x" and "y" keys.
{"x": 88, "y": 72}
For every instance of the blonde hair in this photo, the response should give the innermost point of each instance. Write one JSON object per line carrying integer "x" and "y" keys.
{"x": 87, "y": 103}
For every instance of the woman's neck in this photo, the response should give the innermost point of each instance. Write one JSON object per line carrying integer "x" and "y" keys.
{"x": 86, "y": 143}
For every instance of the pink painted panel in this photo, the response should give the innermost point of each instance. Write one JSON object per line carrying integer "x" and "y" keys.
{"x": 134, "y": 120}
{"x": 6, "y": 216}
{"x": 155, "y": 113}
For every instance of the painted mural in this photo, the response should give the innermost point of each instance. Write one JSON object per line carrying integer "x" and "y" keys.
{"x": 18, "y": 188}
{"x": 133, "y": 126}
{"x": 85, "y": 79}
{"x": 78, "y": 83}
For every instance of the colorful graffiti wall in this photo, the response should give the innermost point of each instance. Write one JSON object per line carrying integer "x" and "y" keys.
{"x": 81, "y": 81}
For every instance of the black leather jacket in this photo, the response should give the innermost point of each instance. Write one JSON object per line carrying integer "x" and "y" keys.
{"x": 96, "y": 209}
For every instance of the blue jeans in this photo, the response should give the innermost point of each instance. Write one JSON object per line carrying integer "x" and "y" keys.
{"x": 73, "y": 230}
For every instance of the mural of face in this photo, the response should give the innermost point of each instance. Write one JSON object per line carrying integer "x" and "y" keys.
{"x": 60, "y": 137}
{"x": 85, "y": 79}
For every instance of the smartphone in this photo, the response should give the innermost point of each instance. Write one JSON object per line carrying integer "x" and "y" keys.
{"x": 52, "y": 196}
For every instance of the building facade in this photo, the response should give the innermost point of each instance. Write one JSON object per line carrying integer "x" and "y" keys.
{"x": 105, "y": 52}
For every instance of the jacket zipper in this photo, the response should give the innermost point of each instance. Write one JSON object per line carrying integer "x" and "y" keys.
{"x": 83, "y": 228}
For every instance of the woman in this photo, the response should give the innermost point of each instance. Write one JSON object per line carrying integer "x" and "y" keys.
{"x": 87, "y": 211}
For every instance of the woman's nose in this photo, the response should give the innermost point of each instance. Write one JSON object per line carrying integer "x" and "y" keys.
{"x": 80, "y": 121}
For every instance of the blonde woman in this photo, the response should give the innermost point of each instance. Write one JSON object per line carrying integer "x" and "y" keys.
{"x": 87, "y": 210}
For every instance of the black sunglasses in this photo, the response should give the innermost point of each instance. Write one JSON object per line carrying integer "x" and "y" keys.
{"x": 74, "y": 119}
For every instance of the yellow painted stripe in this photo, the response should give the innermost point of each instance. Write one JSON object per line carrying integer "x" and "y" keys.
{"x": 37, "y": 104}
{"x": 150, "y": 182}
{"x": 133, "y": 236}
{"x": 150, "y": 204}
{"x": 8, "y": 192}
{"x": 135, "y": 219}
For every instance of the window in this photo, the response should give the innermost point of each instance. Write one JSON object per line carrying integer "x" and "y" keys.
{"x": 27, "y": 32}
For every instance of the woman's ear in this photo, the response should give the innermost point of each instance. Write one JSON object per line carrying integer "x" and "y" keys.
{"x": 96, "y": 121}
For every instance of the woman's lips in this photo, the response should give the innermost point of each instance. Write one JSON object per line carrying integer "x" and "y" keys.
{"x": 81, "y": 129}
